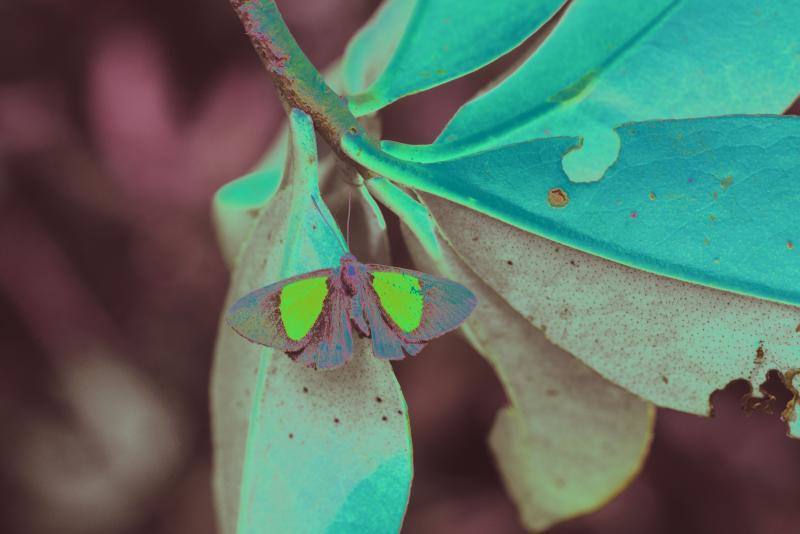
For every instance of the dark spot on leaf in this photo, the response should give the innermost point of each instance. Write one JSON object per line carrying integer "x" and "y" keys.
{"x": 664, "y": 379}
{"x": 726, "y": 182}
{"x": 378, "y": 399}
{"x": 305, "y": 389}
{"x": 291, "y": 436}
{"x": 557, "y": 197}
{"x": 384, "y": 418}
{"x": 572, "y": 262}
{"x": 634, "y": 214}
{"x": 558, "y": 249}
{"x": 353, "y": 129}
{"x": 798, "y": 328}
{"x": 651, "y": 196}
{"x": 400, "y": 412}
{"x": 336, "y": 420}
{"x": 475, "y": 238}
{"x": 510, "y": 262}
{"x": 789, "y": 245}
{"x": 551, "y": 393}
{"x": 759, "y": 353}
{"x": 313, "y": 226}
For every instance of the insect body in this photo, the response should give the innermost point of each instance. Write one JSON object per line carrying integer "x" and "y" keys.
{"x": 309, "y": 316}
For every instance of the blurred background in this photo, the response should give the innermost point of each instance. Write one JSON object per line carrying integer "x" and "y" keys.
{"x": 118, "y": 121}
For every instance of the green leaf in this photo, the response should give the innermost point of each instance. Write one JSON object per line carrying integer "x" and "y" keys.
{"x": 607, "y": 63}
{"x": 371, "y": 49}
{"x": 236, "y": 205}
{"x": 668, "y": 341}
{"x": 441, "y": 40}
{"x": 570, "y": 440}
{"x": 282, "y": 461}
{"x": 709, "y": 201}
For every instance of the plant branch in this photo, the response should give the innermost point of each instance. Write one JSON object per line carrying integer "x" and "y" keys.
{"x": 299, "y": 83}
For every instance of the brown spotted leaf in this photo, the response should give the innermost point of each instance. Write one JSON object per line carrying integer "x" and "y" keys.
{"x": 668, "y": 341}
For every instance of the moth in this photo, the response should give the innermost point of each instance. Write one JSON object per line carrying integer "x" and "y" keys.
{"x": 311, "y": 316}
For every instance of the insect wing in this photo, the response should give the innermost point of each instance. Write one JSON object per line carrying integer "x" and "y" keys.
{"x": 418, "y": 306}
{"x": 331, "y": 340}
{"x": 283, "y": 315}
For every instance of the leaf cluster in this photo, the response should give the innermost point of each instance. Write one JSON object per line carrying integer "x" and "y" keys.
{"x": 622, "y": 202}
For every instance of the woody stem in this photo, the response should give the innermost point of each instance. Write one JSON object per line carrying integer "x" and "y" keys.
{"x": 298, "y": 82}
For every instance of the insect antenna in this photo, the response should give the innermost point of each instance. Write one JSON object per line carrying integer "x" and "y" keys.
{"x": 349, "y": 201}
{"x": 338, "y": 235}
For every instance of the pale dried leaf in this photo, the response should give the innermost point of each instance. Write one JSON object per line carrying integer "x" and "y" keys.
{"x": 570, "y": 440}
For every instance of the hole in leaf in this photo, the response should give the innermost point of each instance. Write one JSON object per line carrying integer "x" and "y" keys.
{"x": 557, "y": 197}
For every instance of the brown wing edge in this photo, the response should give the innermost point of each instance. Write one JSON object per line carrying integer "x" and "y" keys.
{"x": 446, "y": 304}
{"x": 256, "y": 315}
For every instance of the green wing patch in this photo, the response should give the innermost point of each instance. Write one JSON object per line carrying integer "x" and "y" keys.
{"x": 300, "y": 305}
{"x": 400, "y": 296}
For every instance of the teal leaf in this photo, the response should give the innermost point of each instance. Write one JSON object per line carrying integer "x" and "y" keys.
{"x": 371, "y": 49}
{"x": 667, "y": 341}
{"x": 569, "y": 440}
{"x": 709, "y": 201}
{"x": 237, "y": 203}
{"x": 607, "y": 63}
{"x": 441, "y": 41}
{"x": 298, "y": 450}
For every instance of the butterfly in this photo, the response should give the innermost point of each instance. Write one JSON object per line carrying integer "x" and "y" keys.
{"x": 311, "y": 316}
